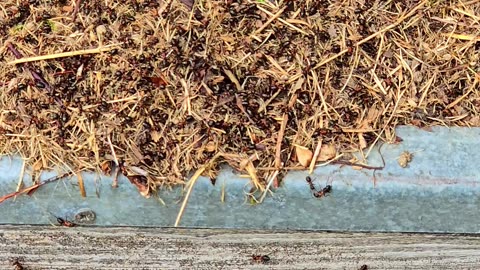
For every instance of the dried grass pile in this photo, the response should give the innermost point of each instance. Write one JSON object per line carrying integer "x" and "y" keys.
{"x": 262, "y": 85}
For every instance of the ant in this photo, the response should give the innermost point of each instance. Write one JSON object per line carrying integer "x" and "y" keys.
{"x": 323, "y": 192}
{"x": 260, "y": 258}
{"x": 363, "y": 267}
{"x": 65, "y": 222}
{"x": 310, "y": 182}
{"x": 17, "y": 264}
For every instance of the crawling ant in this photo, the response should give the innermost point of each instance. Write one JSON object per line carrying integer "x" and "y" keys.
{"x": 323, "y": 191}
{"x": 363, "y": 267}
{"x": 260, "y": 258}
{"x": 310, "y": 182}
{"x": 17, "y": 264}
{"x": 320, "y": 193}
{"x": 65, "y": 222}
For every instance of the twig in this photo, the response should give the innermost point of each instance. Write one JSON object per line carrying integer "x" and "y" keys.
{"x": 117, "y": 164}
{"x": 471, "y": 2}
{"x": 459, "y": 99}
{"x": 81, "y": 185}
{"x": 188, "y": 3}
{"x": 348, "y": 163}
{"x": 166, "y": 4}
{"x": 35, "y": 75}
{"x": 29, "y": 189}
{"x": 116, "y": 175}
{"x": 20, "y": 179}
{"x": 300, "y": 168}
{"x": 278, "y": 147}
{"x": 264, "y": 105}
{"x": 113, "y": 151}
{"x": 320, "y": 92}
{"x": 315, "y": 156}
{"x": 64, "y": 54}
{"x": 272, "y": 18}
{"x": 375, "y": 170}
{"x": 76, "y": 9}
{"x": 233, "y": 78}
{"x": 242, "y": 109}
{"x": 282, "y": 20}
{"x": 191, "y": 183}
{"x": 272, "y": 179}
{"x": 188, "y": 97}
{"x": 291, "y": 168}
{"x": 15, "y": 52}
{"x": 252, "y": 172}
{"x": 363, "y": 166}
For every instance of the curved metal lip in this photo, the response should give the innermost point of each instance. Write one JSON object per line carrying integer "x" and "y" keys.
{"x": 437, "y": 192}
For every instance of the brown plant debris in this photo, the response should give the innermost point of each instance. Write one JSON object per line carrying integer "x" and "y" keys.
{"x": 246, "y": 81}
{"x": 34, "y": 187}
{"x": 304, "y": 156}
{"x": 404, "y": 159}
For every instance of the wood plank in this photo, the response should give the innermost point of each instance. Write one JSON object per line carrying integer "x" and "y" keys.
{"x": 42, "y": 247}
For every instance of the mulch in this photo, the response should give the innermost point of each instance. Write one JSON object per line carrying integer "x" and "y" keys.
{"x": 162, "y": 89}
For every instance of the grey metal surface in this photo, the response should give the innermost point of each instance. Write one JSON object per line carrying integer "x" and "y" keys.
{"x": 438, "y": 192}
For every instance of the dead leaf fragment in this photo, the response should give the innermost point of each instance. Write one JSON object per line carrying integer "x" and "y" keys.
{"x": 372, "y": 116}
{"x": 107, "y": 166}
{"x": 156, "y": 136}
{"x": 141, "y": 183}
{"x": 332, "y": 32}
{"x": 137, "y": 170}
{"x": 327, "y": 152}
{"x": 304, "y": 155}
{"x": 250, "y": 168}
{"x": 67, "y": 8}
{"x": 37, "y": 166}
{"x": 362, "y": 141}
{"x": 397, "y": 140}
{"x": 210, "y": 147}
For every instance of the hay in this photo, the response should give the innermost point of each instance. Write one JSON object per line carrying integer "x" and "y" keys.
{"x": 244, "y": 80}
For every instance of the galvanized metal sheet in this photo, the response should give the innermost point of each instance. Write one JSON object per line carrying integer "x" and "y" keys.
{"x": 438, "y": 192}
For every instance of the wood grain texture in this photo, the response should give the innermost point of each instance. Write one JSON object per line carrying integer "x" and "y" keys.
{"x": 43, "y": 247}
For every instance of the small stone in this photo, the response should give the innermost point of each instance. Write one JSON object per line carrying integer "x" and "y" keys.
{"x": 85, "y": 216}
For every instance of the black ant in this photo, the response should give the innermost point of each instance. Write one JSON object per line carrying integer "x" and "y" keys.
{"x": 260, "y": 258}
{"x": 65, "y": 222}
{"x": 363, "y": 267}
{"x": 323, "y": 191}
{"x": 320, "y": 193}
{"x": 310, "y": 182}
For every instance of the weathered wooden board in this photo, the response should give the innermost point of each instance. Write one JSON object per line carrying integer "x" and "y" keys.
{"x": 42, "y": 247}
